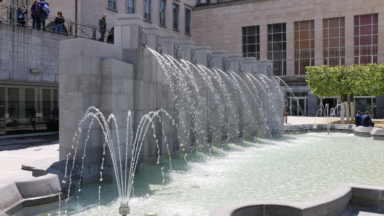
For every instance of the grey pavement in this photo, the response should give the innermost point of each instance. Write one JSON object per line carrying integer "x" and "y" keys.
{"x": 16, "y": 152}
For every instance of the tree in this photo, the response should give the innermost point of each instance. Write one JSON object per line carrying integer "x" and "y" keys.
{"x": 351, "y": 81}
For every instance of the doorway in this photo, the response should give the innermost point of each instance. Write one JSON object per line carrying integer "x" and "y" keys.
{"x": 298, "y": 106}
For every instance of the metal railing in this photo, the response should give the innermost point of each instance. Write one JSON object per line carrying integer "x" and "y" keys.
{"x": 130, "y": 10}
{"x": 8, "y": 14}
{"x": 112, "y": 4}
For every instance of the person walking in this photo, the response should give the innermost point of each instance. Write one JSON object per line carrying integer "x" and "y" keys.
{"x": 44, "y": 12}
{"x": 35, "y": 14}
{"x": 21, "y": 13}
{"x": 358, "y": 118}
{"x": 59, "y": 23}
{"x": 103, "y": 27}
{"x": 286, "y": 112}
{"x": 366, "y": 121}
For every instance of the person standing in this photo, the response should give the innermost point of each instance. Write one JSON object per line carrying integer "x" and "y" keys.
{"x": 35, "y": 14}
{"x": 366, "y": 121}
{"x": 59, "y": 23}
{"x": 21, "y": 12}
{"x": 103, "y": 27}
{"x": 44, "y": 12}
{"x": 286, "y": 112}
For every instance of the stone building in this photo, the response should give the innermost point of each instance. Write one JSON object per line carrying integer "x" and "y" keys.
{"x": 291, "y": 33}
{"x": 295, "y": 34}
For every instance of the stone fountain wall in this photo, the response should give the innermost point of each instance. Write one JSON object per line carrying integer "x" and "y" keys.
{"x": 126, "y": 76}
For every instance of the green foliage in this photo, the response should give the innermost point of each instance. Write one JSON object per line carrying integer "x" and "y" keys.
{"x": 355, "y": 80}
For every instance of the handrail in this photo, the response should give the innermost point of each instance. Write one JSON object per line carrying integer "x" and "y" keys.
{"x": 8, "y": 14}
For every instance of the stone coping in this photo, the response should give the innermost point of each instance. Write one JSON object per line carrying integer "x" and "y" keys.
{"x": 47, "y": 185}
{"x": 341, "y": 200}
{"x": 375, "y": 133}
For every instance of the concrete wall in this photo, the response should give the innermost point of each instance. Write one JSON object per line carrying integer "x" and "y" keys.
{"x": 24, "y": 49}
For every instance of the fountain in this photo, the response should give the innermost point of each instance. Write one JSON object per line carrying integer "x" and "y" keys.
{"x": 187, "y": 103}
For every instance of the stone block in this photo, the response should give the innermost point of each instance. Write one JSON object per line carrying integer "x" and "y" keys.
{"x": 32, "y": 188}
{"x": 125, "y": 102}
{"x": 9, "y": 196}
{"x": 48, "y": 78}
{"x": 363, "y": 131}
{"x": 4, "y": 74}
{"x": 6, "y": 35}
{"x": 6, "y": 65}
{"x": 7, "y": 45}
{"x": 6, "y": 55}
{"x": 53, "y": 69}
{"x": 19, "y": 75}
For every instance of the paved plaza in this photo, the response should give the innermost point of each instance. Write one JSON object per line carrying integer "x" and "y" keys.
{"x": 16, "y": 152}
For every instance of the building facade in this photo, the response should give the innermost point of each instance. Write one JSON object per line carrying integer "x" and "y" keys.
{"x": 294, "y": 34}
{"x": 172, "y": 16}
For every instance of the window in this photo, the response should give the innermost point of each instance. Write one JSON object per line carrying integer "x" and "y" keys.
{"x": 366, "y": 39}
{"x": 277, "y": 48}
{"x": 130, "y": 7}
{"x": 162, "y": 12}
{"x": 111, "y": 4}
{"x": 304, "y": 46}
{"x": 147, "y": 10}
{"x": 187, "y": 21}
{"x": 175, "y": 17}
{"x": 334, "y": 42}
{"x": 251, "y": 42}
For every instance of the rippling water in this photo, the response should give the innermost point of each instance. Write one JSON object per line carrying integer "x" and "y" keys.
{"x": 295, "y": 167}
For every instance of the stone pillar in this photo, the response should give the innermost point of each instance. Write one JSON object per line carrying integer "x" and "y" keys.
{"x": 290, "y": 55}
{"x": 169, "y": 104}
{"x": 233, "y": 61}
{"x": 319, "y": 48}
{"x": 217, "y": 57}
{"x": 350, "y": 39}
{"x": 250, "y": 66}
{"x": 84, "y": 82}
{"x": 264, "y": 42}
{"x": 127, "y": 36}
{"x": 204, "y": 57}
{"x": 262, "y": 67}
{"x": 187, "y": 48}
{"x": 153, "y": 77}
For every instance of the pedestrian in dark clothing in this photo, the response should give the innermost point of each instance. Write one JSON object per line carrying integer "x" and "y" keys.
{"x": 44, "y": 12}
{"x": 358, "y": 118}
{"x": 103, "y": 27}
{"x": 59, "y": 23}
{"x": 21, "y": 13}
{"x": 32, "y": 117}
{"x": 367, "y": 121}
{"x": 286, "y": 112}
{"x": 35, "y": 13}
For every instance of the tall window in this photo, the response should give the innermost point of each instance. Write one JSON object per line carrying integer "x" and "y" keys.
{"x": 304, "y": 46}
{"x": 187, "y": 21}
{"x": 277, "y": 48}
{"x": 334, "y": 41}
{"x": 366, "y": 39}
{"x": 162, "y": 12}
{"x": 130, "y": 7}
{"x": 147, "y": 10}
{"x": 175, "y": 17}
{"x": 251, "y": 42}
{"x": 111, "y": 4}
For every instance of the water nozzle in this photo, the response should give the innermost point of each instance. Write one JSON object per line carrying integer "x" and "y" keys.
{"x": 124, "y": 211}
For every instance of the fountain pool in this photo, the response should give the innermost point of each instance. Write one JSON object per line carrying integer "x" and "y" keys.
{"x": 295, "y": 167}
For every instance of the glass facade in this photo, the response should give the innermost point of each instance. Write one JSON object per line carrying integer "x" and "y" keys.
{"x": 26, "y": 109}
{"x": 175, "y": 17}
{"x": 304, "y": 46}
{"x": 251, "y": 42}
{"x": 147, "y": 10}
{"x": 187, "y": 21}
{"x": 130, "y": 7}
{"x": 334, "y": 42}
{"x": 366, "y": 39}
{"x": 277, "y": 48}
{"x": 162, "y": 13}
